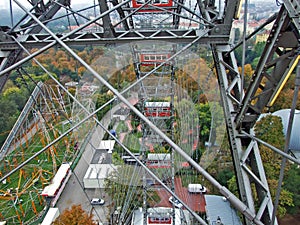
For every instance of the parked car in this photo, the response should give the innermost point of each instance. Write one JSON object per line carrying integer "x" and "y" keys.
{"x": 196, "y": 188}
{"x": 97, "y": 201}
{"x": 175, "y": 202}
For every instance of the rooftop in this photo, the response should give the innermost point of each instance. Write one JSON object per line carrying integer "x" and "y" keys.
{"x": 218, "y": 206}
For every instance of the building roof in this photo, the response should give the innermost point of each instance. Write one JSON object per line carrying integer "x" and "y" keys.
{"x": 218, "y": 206}
{"x": 107, "y": 145}
{"x": 51, "y": 215}
{"x": 101, "y": 157}
{"x": 99, "y": 171}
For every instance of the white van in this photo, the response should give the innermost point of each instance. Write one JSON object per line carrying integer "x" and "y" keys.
{"x": 196, "y": 188}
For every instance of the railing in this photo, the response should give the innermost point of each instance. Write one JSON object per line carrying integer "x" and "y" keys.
{"x": 33, "y": 97}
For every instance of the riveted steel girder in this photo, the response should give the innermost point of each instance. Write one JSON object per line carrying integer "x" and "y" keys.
{"x": 245, "y": 154}
{"x": 275, "y": 66}
{"x": 44, "y": 12}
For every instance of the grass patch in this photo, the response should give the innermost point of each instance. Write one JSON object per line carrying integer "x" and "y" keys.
{"x": 122, "y": 127}
{"x": 132, "y": 142}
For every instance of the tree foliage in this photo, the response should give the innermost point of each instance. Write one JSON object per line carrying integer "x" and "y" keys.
{"x": 204, "y": 121}
{"x": 248, "y": 72}
{"x": 225, "y": 175}
{"x": 292, "y": 184}
{"x": 211, "y": 121}
{"x": 74, "y": 216}
{"x": 101, "y": 99}
{"x": 253, "y": 52}
{"x": 285, "y": 98}
{"x": 270, "y": 129}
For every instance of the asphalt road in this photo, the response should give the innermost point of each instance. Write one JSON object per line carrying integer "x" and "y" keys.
{"x": 74, "y": 192}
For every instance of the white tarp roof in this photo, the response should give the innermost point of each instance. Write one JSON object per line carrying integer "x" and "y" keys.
{"x": 99, "y": 171}
{"x": 107, "y": 144}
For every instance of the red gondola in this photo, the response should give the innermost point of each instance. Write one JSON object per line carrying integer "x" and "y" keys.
{"x": 161, "y": 215}
{"x": 154, "y": 59}
{"x": 157, "y": 109}
{"x": 159, "y": 160}
{"x": 160, "y": 220}
{"x": 147, "y": 8}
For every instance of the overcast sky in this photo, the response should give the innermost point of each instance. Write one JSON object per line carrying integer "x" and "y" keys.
{"x": 4, "y": 4}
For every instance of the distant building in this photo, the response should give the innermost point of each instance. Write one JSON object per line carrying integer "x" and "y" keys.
{"x": 262, "y": 37}
{"x": 50, "y": 217}
{"x": 251, "y": 27}
{"x": 88, "y": 88}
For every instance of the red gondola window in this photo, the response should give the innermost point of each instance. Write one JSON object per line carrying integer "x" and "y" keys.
{"x": 157, "y": 3}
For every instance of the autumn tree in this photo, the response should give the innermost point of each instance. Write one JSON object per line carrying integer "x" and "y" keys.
{"x": 248, "y": 72}
{"x": 74, "y": 216}
{"x": 285, "y": 98}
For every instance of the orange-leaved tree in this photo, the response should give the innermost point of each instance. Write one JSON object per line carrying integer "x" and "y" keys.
{"x": 73, "y": 216}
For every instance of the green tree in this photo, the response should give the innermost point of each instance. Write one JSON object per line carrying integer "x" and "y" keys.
{"x": 197, "y": 155}
{"x": 17, "y": 96}
{"x": 211, "y": 121}
{"x": 121, "y": 181}
{"x": 8, "y": 114}
{"x": 224, "y": 176}
{"x": 101, "y": 99}
{"x": 270, "y": 130}
{"x": 232, "y": 185}
{"x": 204, "y": 121}
{"x": 257, "y": 52}
{"x": 292, "y": 184}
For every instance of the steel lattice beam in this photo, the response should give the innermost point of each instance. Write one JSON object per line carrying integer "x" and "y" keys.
{"x": 121, "y": 37}
{"x": 44, "y": 12}
{"x": 241, "y": 112}
{"x": 275, "y": 65}
{"x": 246, "y": 158}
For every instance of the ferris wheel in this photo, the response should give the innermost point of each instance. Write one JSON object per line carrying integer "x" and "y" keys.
{"x": 150, "y": 68}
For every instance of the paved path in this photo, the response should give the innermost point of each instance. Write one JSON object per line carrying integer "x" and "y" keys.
{"x": 74, "y": 192}
{"x": 195, "y": 201}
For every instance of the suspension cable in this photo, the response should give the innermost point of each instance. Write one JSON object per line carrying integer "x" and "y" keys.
{"x": 11, "y": 13}
{"x": 287, "y": 142}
